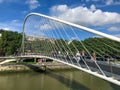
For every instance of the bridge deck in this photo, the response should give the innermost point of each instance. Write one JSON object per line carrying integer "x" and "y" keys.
{"x": 109, "y": 69}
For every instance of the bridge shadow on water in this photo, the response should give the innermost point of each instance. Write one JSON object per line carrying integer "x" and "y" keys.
{"x": 70, "y": 83}
{"x": 75, "y": 85}
{"x": 115, "y": 87}
{"x": 35, "y": 68}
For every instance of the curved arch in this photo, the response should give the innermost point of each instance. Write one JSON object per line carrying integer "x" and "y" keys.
{"x": 71, "y": 24}
{"x": 76, "y": 26}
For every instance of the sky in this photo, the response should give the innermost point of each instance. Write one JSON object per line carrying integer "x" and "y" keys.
{"x": 102, "y": 15}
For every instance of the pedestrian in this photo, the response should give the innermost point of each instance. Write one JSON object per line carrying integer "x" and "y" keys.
{"x": 94, "y": 56}
{"x": 78, "y": 55}
{"x": 55, "y": 52}
{"x": 83, "y": 54}
{"x": 67, "y": 55}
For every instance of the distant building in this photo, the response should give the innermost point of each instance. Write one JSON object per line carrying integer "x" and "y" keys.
{"x": 31, "y": 38}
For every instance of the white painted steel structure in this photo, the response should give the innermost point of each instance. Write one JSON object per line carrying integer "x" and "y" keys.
{"x": 112, "y": 80}
{"x": 75, "y": 25}
{"x": 109, "y": 79}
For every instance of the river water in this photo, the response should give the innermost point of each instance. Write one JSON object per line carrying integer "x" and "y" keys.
{"x": 54, "y": 80}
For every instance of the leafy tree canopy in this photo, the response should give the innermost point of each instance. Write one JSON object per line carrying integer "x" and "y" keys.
{"x": 10, "y": 42}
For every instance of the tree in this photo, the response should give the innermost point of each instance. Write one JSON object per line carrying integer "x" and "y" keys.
{"x": 10, "y": 42}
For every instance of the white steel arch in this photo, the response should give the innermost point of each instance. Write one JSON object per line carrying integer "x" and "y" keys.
{"x": 81, "y": 28}
{"x": 71, "y": 24}
{"x": 75, "y": 25}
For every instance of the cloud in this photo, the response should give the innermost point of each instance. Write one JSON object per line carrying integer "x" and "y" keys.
{"x": 114, "y": 29}
{"x": 92, "y": 7}
{"x": 109, "y": 2}
{"x": 103, "y": 3}
{"x": 13, "y": 25}
{"x": 112, "y": 2}
{"x": 45, "y": 27}
{"x": 85, "y": 16}
{"x": 33, "y": 4}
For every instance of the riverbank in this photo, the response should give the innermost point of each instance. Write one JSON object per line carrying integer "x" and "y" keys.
{"x": 38, "y": 67}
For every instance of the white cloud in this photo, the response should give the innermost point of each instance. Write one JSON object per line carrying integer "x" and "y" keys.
{"x": 92, "y": 7}
{"x": 114, "y": 29}
{"x": 112, "y": 2}
{"x": 25, "y": 12}
{"x": 84, "y": 15}
{"x": 6, "y": 28}
{"x": 13, "y": 25}
{"x": 45, "y": 27}
{"x": 103, "y": 3}
{"x": 33, "y": 4}
{"x": 57, "y": 10}
{"x": 109, "y": 2}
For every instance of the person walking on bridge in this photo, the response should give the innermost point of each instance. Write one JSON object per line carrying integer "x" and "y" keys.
{"x": 54, "y": 52}
{"x": 78, "y": 56}
{"x": 94, "y": 56}
{"x": 83, "y": 54}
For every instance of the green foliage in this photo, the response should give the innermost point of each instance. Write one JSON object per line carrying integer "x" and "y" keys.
{"x": 10, "y": 42}
{"x": 102, "y": 46}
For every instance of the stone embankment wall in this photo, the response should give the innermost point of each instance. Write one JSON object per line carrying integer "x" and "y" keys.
{"x": 13, "y": 68}
{"x": 33, "y": 67}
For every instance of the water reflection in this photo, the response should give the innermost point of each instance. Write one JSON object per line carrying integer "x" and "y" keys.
{"x": 67, "y": 81}
{"x": 52, "y": 80}
{"x": 78, "y": 80}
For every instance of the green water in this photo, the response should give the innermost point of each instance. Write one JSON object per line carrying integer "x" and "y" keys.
{"x": 60, "y": 80}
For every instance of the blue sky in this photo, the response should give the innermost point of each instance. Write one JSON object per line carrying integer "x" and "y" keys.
{"x": 103, "y": 15}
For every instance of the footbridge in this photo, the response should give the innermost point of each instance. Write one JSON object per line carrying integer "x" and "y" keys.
{"x": 83, "y": 48}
